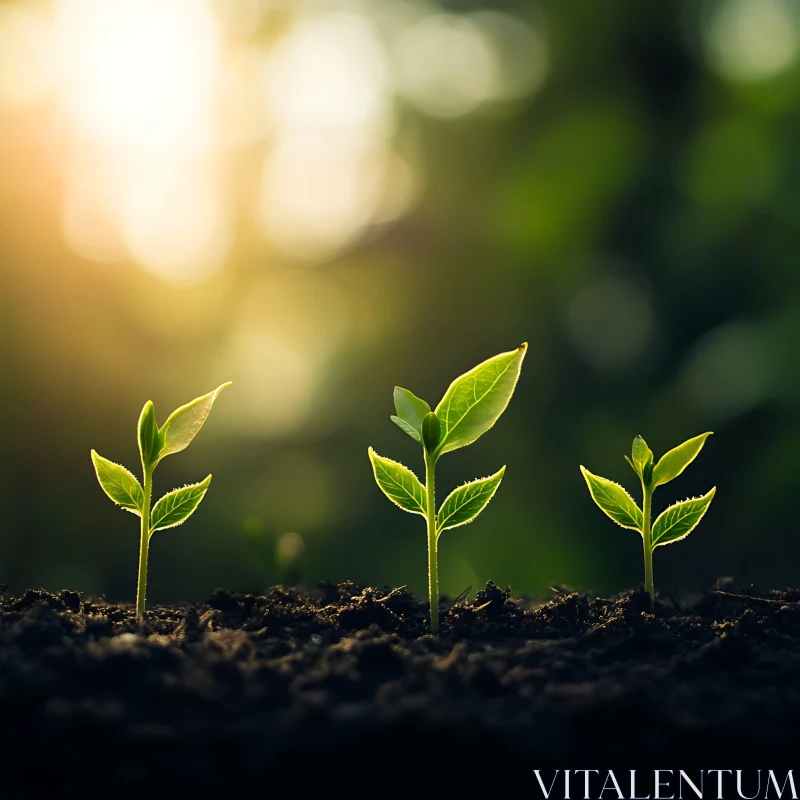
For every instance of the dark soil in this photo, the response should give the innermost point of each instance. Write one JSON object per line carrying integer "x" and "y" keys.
{"x": 341, "y": 691}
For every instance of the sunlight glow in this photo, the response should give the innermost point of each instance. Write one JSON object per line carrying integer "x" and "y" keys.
{"x": 26, "y": 71}
{"x": 138, "y": 84}
{"x": 155, "y": 101}
{"x": 138, "y": 72}
{"x": 292, "y": 323}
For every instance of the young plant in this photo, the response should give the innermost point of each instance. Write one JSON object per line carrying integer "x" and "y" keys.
{"x": 672, "y": 525}
{"x": 471, "y": 406}
{"x": 155, "y": 443}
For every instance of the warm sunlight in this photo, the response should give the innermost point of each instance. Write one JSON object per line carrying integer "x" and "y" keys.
{"x": 138, "y": 73}
{"x": 138, "y": 81}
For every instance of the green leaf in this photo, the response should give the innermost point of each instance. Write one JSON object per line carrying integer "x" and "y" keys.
{"x": 431, "y": 431}
{"x": 465, "y": 503}
{"x": 399, "y": 484}
{"x": 177, "y": 506}
{"x": 614, "y": 501}
{"x": 183, "y": 424}
{"x": 411, "y": 409}
{"x": 678, "y": 521}
{"x": 673, "y": 463}
{"x": 642, "y": 457}
{"x": 150, "y": 441}
{"x": 119, "y": 484}
{"x": 404, "y": 426}
{"x": 474, "y": 402}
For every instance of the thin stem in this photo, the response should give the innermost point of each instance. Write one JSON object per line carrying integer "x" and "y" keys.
{"x": 433, "y": 556}
{"x": 144, "y": 546}
{"x": 647, "y": 536}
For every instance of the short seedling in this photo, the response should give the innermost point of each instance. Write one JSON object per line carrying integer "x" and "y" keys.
{"x": 672, "y": 525}
{"x": 155, "y": 443}
{"x": 471, "y": 406}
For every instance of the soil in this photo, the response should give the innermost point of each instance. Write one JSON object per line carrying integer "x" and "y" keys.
{"x": 341, "y": 691}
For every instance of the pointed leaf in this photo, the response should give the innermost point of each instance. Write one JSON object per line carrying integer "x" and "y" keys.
{"x": 177, "y": 506}
{"x": 673, "y": 463}
{"x": 431, "y": 431}
{"x": 614, "y": 501}
{"x": 474, "y": 401}
{"x": 119, "y": 484}
{"x": 465, "y": 503}
{"x": 642, "y": 457}
{"x": 404, "y": 426}
{"x": 410, "y": 408}
{"x": 678, "y": 521}
{"x": 399, "y": 484}
{"x": 184, "y": 423}
{"x": 150, "y": 441}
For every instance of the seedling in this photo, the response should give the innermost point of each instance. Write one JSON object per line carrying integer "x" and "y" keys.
{"x": 155, "y": 443}
{"x": 672, "y": 525}
{"x": 471, "y": 406}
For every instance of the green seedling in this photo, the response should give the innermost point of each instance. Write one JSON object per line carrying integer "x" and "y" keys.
{"x": 672, "y": 525}
{"x": 155, "y": 443}
{"x": 471, "y": 406}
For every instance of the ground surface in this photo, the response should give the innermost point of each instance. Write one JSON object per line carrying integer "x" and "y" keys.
{"x": 342, "y": 689}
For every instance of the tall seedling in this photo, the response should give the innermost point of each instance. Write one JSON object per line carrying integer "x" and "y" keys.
{"x": 155, "y": 443}
{"x": 471, "y": 406}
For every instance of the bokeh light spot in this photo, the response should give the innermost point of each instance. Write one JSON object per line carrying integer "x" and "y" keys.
{"x": 329, "y": 72}
{"x": 521, "y": 51}
{"x": 610, "y": 322}
{"x": 752, "y": 39}
{"x": 446, "y": 65}
{"x": 731, "y": 369}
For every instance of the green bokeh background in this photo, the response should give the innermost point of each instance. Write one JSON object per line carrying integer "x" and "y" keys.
{"x": 636, "y": 220}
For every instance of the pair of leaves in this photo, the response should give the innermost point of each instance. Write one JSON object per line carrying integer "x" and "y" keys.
{"x": 470, "y": 406}
{"x": 122, "y": 487}
{"x": 670, "y": 465}
{"x": 177, "y": 432}
{"x": 405, "y": 490}
{"x": 679, "y": 520}
{"x": 672, "y": 525}
{"x": 155, "y": 443}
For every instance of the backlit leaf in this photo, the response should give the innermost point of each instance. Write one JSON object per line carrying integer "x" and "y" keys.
{"x": 119, "y": 484}
{"x": 673, "y": 463}
{"x": 399, "y": 484}
{"x": 614, "y": 501}
{"x": 183, "y": 424}
{"x": 474, "y": 401}
{"x": 465, "y": 503}
{"x": 678, "y": 521}
{"x": 177, "y": 506}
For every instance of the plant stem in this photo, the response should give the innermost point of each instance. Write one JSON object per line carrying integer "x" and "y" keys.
{"x": 647, "y": 536}
{"x": 433, "y": 556}
{"x": 144, "y": 546}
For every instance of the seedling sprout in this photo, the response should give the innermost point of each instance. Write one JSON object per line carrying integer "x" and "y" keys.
{"x": 470, "y": 407}
{"x": 673, "y": 524}
{"x": 155, "y": 443}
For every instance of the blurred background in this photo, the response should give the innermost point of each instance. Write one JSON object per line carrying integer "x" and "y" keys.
{"x": 320, "y": 200}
